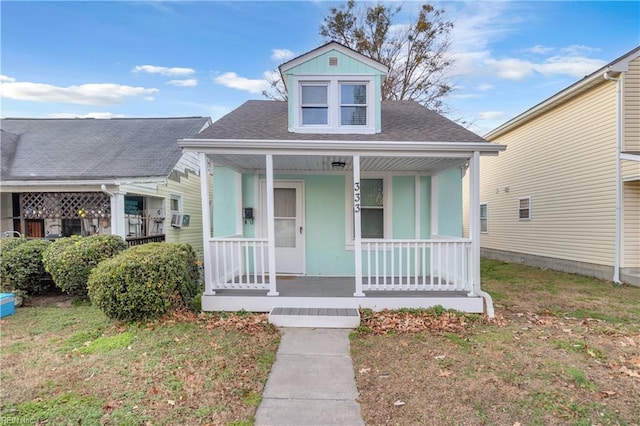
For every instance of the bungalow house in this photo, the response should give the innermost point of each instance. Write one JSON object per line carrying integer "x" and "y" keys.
{"x": 335, "y": 199}
{"x": 127, "y": 177}
{"x": 566, "y": 194}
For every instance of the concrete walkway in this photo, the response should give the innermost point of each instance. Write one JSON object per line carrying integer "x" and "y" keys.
{"x": 312, "y": 381}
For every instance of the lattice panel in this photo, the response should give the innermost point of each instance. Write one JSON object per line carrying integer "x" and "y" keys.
{"x": 65, "y": 205}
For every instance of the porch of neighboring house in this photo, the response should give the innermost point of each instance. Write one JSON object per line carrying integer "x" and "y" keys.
{"x": 53, "y": 215}
{"x": 431, "y": 267}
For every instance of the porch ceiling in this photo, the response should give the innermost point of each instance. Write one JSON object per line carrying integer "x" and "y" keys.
{"x": 320, "y": 163}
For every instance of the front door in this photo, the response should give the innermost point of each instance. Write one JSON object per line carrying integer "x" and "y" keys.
{"x": 288, "y": 206}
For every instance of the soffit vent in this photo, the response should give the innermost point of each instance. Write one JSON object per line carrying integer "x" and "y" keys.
{"x": 333, "y": 61}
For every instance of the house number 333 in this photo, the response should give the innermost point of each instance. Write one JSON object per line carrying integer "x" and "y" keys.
{"x": 356, "y": 197}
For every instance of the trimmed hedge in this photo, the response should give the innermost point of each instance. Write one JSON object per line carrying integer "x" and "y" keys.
{"x": 145, "y": 282}
{"x": 70, "y": 260}
{"x": 24, "y": 268}
{"x": 6, "y": 245}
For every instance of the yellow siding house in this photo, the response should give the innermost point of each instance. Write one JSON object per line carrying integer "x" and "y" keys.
{"x": 566, "y": 193}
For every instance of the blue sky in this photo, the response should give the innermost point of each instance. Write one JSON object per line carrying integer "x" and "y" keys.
{"x": 205, "y": 58}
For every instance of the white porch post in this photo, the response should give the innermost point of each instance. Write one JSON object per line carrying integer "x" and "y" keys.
{"x": 271, "y": 228}
{"x": 117, "y": 213}
{"x": 357, "y": 225}
{"x": 434, "y": 205}
{"x": 474, "y": 221}
{"x": 206, "y": 223}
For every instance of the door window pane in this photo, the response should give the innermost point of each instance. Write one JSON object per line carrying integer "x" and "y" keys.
{"x": 284, "y": 202}
{"x": 285, "y": 232}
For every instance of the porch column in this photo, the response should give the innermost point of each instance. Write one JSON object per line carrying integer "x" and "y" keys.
{"x": 357, "y": 225}
{"x": 434, "y": 205}
{"x": 474, "y": 221}
{"x": 117, "y": 213}
{"x": 271, "y": 228}
{"x": 206, "y": 223}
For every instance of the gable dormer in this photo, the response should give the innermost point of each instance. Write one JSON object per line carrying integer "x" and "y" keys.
{"x": 334, "y": 89}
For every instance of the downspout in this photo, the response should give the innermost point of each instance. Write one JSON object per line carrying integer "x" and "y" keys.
{"x": 617, "y": 238}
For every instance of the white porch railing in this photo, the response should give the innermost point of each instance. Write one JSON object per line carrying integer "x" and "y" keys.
{"x": 416, "y": 265}
{"x": 387, "y": 265}
{"x": 239, "y": 263}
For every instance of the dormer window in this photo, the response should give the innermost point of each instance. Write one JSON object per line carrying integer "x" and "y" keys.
{"x": 331, "y": 104}
{"x": 353, "y": 104}
{"x": 314, "y": 105}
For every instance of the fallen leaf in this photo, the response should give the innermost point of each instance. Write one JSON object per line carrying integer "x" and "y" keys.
{"x": 440, "y": 356}
{"x": 171, "y": 402}
{"x": 636, "y": 361}
{"x": 404, "y": 343}
{"x": 630, "y": 373}
{"x": 364, "y": 370}
{"x": 154, "y": 390}
{"x": 445, "y": 373}
{"x": 399, "y": 403}
{"x": 607, "y": 394}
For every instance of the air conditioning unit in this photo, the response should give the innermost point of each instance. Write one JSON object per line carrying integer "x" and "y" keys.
{"x": 176, "y": 220}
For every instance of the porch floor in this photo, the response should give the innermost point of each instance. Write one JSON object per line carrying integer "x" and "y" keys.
{"x": 299, "y": 286}
{"x": 334, "y": 292}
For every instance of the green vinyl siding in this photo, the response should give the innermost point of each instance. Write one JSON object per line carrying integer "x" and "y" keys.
{"x": 450, "y": 203}
{"x": 226, "y": 191}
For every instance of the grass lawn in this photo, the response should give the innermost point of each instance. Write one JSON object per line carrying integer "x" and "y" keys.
{"x": 72, "y": 366}
{"x": 563, "y": 350}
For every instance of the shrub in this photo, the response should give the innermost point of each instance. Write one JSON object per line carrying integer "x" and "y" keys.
{"x": 7, "y": 244}
{"x": 145, "y": 282}
{"x": 24, "y": 268}
{"x": 70, "y": 260}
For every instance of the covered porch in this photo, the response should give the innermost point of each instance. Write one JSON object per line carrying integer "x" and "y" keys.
{"x": 420, "y": 258}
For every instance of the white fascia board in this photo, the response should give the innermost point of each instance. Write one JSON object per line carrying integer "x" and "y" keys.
{"x": 320, "y": 147}
{"x": 59, "y": 182}
{"x": 327, "y": 48}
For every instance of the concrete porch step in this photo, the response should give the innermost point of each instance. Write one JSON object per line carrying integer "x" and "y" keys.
{"x": 315, "y": 317}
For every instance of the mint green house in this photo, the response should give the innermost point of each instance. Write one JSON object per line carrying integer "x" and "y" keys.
{"x": 335, "y": 199}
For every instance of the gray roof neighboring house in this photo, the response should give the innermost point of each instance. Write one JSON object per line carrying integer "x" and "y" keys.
{"x": 406, "y": 121}
{"x": 85, "y": 149}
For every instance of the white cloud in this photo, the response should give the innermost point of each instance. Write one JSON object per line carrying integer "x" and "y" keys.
{"x": 281, "y": 54}
{"x": 233, "y": 80}
{"x": 86, "y": 94}
{"x": 491, "y": 115}
{"x": 191, "y": 82}
{"x": 175, "y": 71}
{"x": 485, "y": 87}
{"x": 539, "y": 49}
{"x": 4, "y": 78}
{"x": 89, "y": 115}
{"x": 578, "y": 49}
{"x": 510, "y": 68}
{"x": 574, "y": 66}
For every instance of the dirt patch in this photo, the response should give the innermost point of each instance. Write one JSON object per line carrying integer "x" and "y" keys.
{"x": 50, "y": 300}
{"x": 563, "y": 349}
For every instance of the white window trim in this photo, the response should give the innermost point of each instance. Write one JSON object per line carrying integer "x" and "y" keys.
{"x": 387, "y": 197}
{"x": 333, "y": 83}
{"x": 174, "y": 196}
{"x": 524, "y": 219}
{"x": 486, "y": 218}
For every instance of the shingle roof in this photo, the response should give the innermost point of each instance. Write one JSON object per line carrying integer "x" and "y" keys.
{"x": 46, "y": 149}
{"x": 401, "y": 121}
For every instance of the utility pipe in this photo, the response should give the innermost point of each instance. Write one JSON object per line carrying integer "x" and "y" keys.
{"x": 617, "y": 238}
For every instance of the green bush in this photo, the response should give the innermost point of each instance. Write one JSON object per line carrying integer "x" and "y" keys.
{"x": 6, "y": 245}
{"x": 145, "y": 282}
{"x": 70, "y": 260}
{"x": 24, "y": 269}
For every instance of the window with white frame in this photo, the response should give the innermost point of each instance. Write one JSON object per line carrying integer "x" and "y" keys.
{"x": 334, "y": 105}
{"x": 176, "y": 203}
{"x": 524, "y": 208}
{"x": 353, "y": 104}
{"x": 314, "y": 104}
{"x": 484, "y": 218}
{"x": 372, "y": 208}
